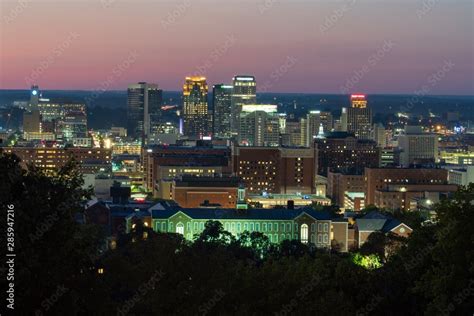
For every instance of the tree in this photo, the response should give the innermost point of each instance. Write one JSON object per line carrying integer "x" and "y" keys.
{"x": 52, "y": 249}
{"x": 449, "y": 281}
{"x": 214, "y": 233}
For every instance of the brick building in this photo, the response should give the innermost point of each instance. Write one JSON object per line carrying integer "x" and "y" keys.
{"x": 275, "y": 170}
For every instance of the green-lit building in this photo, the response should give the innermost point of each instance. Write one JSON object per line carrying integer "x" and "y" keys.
{"x": 306, "y": 224}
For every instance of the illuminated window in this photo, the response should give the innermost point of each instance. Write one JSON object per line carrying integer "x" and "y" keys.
{"x": 304, "y": 233}
{"x": 180, "y": 228}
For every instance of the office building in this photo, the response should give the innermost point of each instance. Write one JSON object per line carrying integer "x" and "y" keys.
{"x": 358, "y": 118}
{"x": 341, "y": 184}
{"x": 244, "y": 91}
{"x": 417, "y": 147}
{"x": 72, "y": 122}
{"x": 275, "y": 170}
{"x": 342, "y": 151}
{"x": 222, "y": 105}
{"x": 379, "y": 135}
{"x": 91, "y": 160}
{"x": 196, "y": 121}
{"x": 314, "y": 121}
{"x": 164, "y": 164}
{"x": 259, "y": 125}
{"x": 382, "y": 182}
{"x": 461, "y": 176}
{"x": 143, "y": 109}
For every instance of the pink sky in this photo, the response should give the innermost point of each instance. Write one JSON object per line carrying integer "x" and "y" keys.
{"x": 290, "y": 46}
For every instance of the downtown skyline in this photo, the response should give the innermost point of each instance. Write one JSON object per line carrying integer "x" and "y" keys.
{"x": 342, "y": 47}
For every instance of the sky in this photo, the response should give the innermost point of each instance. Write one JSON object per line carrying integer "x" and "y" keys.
{"x": 307, "y": 46}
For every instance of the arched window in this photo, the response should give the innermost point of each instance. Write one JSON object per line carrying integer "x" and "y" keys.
{"x": 304, "y": 234}
{"x": 180, "y": 228}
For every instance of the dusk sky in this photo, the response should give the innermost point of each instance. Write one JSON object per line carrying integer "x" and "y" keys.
{"x": 370, "y": 46}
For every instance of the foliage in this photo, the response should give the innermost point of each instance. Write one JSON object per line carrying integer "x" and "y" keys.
{"x": 369, "y": 262}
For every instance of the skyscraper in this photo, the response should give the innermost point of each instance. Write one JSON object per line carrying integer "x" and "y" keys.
{"x": 359, "y": 117}
{"x": 314, "y": 120}
{"x": 143, "y": 111}
{"x": 244, "y": 92}
{"x": 73, "y": 121}
{"x": 259, "y": 125}
{"x": 34, "y": 98}
{"x": 196, "y": 121}
{"x": 222, "y": 102}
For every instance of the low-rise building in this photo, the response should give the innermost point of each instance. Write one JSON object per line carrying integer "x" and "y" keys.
{"x": 378, "y": 222}
{"x": 192, "y": 192}
{"x": 282, "y": 200}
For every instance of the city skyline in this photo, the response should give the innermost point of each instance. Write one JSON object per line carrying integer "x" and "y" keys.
{"x": 315, "y": 53}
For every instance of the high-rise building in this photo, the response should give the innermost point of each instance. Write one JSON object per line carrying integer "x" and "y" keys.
{"x": 357, "y": 118}
{"x": 73, "y": 121}
{"x": 222, "y": 103}
{"x": 358, "y": 101}
{"x": 244, "y": 92}
{"x": 314, "y": 120}
{"x": 143, "y": 111}
{"x": 259, "y": 125}
{"x": 34, "y": 98}
{"x": 417, "y": 147}
{"x": 293, "y": 134}
{"x": 32, "y": 122}
{"x": 379, "y": 135}
{"x": 196, "y": 122}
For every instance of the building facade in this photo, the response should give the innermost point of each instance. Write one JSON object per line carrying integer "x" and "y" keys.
{"x": 275, "y": 170}
{"x": 379, "y": 179}
{"x": 91, "y": 160}
{"x": 163, "y": 164}
{"x": 244, "y": 91}
{"x": 358, "y": 117}
{"x": 342, "y": 151}
{"x": 143, "y": 109}
{"x": 196, "y": 119}
{"x": 259, "y": 125}
{"x": 222, "y": 106}
{"x": 417, "y": 147}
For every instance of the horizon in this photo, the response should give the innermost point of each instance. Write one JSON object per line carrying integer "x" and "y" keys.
{"x": 298, "y": 47}
{"x": 266, "y": 92}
